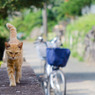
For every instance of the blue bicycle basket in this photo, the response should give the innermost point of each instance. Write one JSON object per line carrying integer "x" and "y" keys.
{"x": 58, "y": 56}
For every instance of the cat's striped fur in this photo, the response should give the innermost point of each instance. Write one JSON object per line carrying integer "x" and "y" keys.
{"x": 13, "y": 56}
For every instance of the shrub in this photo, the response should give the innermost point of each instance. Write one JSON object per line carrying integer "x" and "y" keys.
{"x": 27, "y": 22}
{"x": 3, "y": 36}
{"x": 0, "y": 63}
{"x": 77, "y": 31}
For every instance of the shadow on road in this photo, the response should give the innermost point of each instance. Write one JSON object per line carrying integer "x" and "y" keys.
{"x": 77, "y": 92}
{"x": 77, "y": 77}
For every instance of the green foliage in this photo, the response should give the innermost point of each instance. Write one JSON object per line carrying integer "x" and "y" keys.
{"x": 27, "y": 22}
{"x": 75, "y": 54}
{"x": 11, "y": 5}
{"x": 51, "y": 35}
{"x": 93, "y": 1}
{"x": 19, "y": 4}
{"x": 31, "y": 19}
{"x": 56, "y": 10}
{"x": 51, "y": 20}
{"x": 3, "y": 36}
{"x": 0, "y": 63}
{"x": 73, "y": 7}
{"x": 62, "y": 9}
{"x": 83, "y": 24}
{"x": 3, "y": 31}
{"x": 78, "y": 31}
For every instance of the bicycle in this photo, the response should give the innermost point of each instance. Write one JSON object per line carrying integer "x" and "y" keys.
{"x": 54, "y": 82}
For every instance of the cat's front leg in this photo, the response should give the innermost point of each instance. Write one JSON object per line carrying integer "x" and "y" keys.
{"x": 11, "y": 75}
{"x": 18, "y": 74}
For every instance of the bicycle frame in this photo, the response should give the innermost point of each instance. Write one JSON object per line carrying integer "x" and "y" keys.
{"x": 50, "y": 72}
{"x": 52, "y": 81}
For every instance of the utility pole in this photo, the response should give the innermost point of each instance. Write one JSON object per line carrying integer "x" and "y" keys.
{"x": 44, "y": 14}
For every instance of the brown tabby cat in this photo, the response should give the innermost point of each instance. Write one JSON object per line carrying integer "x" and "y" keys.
{"x": 13, "y": 56}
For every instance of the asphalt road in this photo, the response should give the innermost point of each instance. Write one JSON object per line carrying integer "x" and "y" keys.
{"x": 80, "y": 76}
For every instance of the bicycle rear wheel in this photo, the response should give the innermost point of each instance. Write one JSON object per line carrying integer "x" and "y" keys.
{"x": 58, "y": 83}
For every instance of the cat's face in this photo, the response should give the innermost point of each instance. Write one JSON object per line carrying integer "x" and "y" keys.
{"x": 13, "y": 50}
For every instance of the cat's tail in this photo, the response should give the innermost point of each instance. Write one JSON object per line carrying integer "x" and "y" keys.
{"x": 13, "y": 33}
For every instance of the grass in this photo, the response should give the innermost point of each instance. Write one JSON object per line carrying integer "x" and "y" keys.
{"x": 1, "y": 63}
{"x": 77, "y": 31}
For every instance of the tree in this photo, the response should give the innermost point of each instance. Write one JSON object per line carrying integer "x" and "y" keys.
{"x": 73, "y": 7}
{"x": 45, "y": 20}
{"x": 11, "y": 5}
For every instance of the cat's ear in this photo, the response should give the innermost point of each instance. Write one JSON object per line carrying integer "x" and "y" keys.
{"x": 7, "y": 45}
{"x": 20, "y": 45}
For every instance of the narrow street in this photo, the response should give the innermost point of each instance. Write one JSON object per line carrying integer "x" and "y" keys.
{"x": 80, "y": 76}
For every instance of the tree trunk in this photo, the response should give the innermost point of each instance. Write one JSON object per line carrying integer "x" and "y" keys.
{"x": 44, "y": 13}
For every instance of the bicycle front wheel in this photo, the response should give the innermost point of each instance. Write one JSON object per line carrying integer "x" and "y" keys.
{"x": 58, "y": 83}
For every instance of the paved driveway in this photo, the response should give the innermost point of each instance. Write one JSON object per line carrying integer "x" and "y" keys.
{"x": 80, "y": 76}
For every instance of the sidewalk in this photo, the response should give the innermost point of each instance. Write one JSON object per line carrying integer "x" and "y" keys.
{"x": 29, "y": 83}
